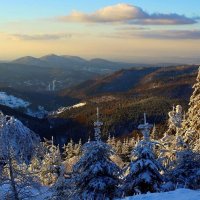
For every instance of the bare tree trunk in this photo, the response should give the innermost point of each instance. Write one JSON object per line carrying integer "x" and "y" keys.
{"x": 13, "y": 184}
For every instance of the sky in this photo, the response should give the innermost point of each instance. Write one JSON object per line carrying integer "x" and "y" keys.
{"x": 127, "y": 30}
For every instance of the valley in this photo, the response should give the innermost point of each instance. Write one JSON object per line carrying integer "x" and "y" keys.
{"x": 65, "y": 108}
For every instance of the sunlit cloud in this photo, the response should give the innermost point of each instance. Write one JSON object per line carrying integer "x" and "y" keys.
{"x": 156, "y": 34}
{"x": 57, "y": 36}
{"x": 132, "y": 28}
{"x": 164, "y": 19}
{"x": 116, "y": 13}
{"x": 126, "y": 13}
{"x": 172, "y": 34}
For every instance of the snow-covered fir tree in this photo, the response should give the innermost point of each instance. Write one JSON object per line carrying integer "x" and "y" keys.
{"x": 68, "y": 150}
{"x": 109, "y": 139}
{"x": 186, "y": 170}
{"x": 71, "y": 149}
{"x": 175, "y": 120}
{"x": 51, "y": 164}
{"x": 61, "y": 189}
{"x": 113, "y": 142}
{"x": 77, "y": 148}
{"x": 154, "y": 133}
{"x": 172, "y": 137}
{"x": 118, "y": 148}
{"x": 95, "y": 176}
{"x": 126, "y": 150}
{"x": 191, "y": 125}
{"x": 143, "y": 173}
{"x": 17, "y": 147}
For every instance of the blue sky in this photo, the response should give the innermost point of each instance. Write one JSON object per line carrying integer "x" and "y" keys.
{"x": 23, "y": 9}
{"x": 131, "y": 28}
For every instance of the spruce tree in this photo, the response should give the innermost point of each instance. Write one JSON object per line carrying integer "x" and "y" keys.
{"x": 95, "y": 176}
{"x": 143, "y": 173}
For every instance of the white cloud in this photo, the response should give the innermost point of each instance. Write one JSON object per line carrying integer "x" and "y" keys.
{"x": 116, "y": 13}
{"x": 127, "y": 13}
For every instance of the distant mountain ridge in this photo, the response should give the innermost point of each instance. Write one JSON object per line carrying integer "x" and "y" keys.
{"x": 53, "y": 72}
{"x": 96, "y": 65}
{"x": 31, "y": 78}
{"x": 137, "y": 81}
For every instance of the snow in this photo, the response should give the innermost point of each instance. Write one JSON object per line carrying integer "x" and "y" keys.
{"x": 79, "y": 105}
{"x": 14, "y": 134}
{"x": 179, "y": 194}
{"x": 41, "y": 194}
{"x": 63, "y": 109}
{"x": 39, "y": 113}
{"x": 12, "y": 101}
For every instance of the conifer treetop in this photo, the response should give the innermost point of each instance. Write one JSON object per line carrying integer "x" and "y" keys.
{"x": 145, "y": 128}
{"x": 97, "y": 127}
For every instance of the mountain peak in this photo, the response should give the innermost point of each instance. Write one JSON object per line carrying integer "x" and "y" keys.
{"x": 29, "y": 60}
{"x": 49, "y": 56}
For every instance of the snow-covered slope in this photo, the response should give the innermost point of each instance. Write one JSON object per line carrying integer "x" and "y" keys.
{"x": 179, "y": 194}
{"x": 41, "y": 194}
{"x": 15, "y": 102}
{"x": 12, "y": 101}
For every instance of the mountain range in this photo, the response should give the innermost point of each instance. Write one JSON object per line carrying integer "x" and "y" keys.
{"x": 122, "y": 91}
{"x": 52, "y": 72}
{"x": 97, "y": 65}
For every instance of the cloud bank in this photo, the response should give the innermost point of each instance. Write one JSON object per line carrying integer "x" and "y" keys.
{"x": 157, "y": 34}
{"x": 126, "y": 13}
{"x": 172, "y": 34}
{"x": 57, "y": 36}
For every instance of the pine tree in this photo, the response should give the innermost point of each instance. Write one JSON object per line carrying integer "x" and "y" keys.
{"x": 95, "y": 176}
{"x": 143, "y": 173}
